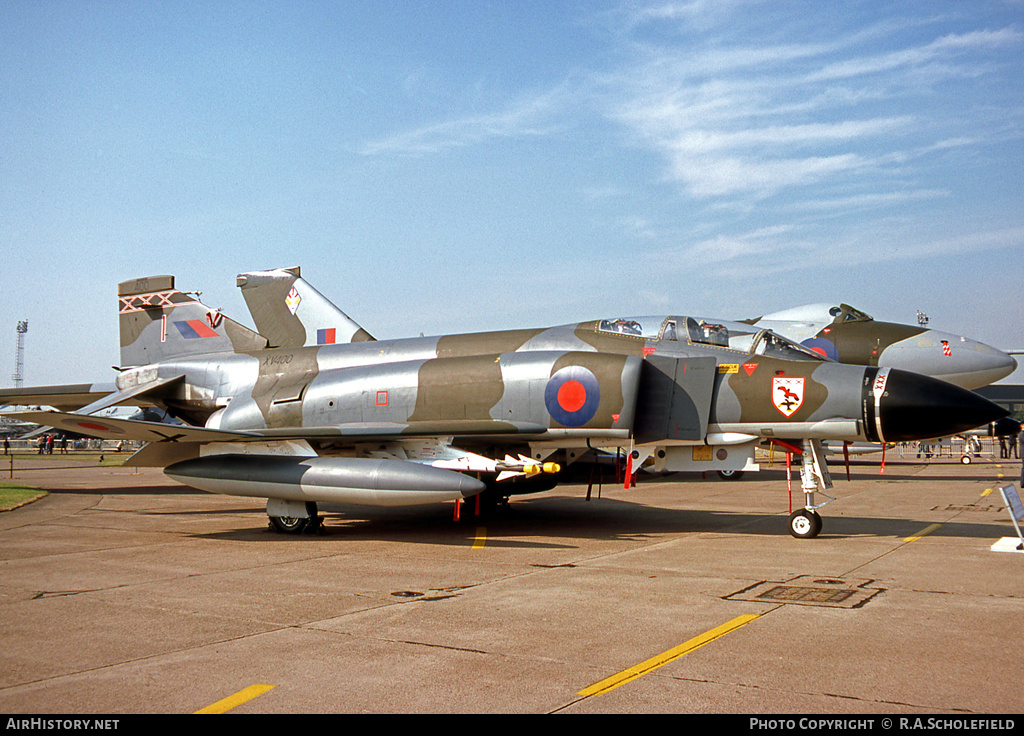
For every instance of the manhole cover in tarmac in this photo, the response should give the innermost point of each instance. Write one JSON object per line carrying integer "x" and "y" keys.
{"x": 810, "y": 590}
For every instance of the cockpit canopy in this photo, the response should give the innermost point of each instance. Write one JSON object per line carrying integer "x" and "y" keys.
{"x": 738, "y": 336}
{"x": 846, "y": 313}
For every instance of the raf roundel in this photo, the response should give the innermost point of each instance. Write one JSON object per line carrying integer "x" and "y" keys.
{"x": 572, "y": 396}
{"x": 823, "y": 347}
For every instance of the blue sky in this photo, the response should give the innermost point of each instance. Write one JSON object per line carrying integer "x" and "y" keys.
{"x": 439, "y": 167}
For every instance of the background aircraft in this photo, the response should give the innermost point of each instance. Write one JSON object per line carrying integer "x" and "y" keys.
{"x": 847, "y": 335}
{"x": 448, "y": 418}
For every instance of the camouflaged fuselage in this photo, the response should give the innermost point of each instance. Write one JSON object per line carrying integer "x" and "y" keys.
{"x": 655, "y": 380}
{"x": 573, "y": 380}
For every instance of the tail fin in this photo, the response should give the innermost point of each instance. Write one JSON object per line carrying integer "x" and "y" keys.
{"x": 292, "y": 314}
{"x": 158, "y": 322}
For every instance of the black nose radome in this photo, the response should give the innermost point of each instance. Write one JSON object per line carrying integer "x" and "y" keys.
{"x": 916, "y": 407}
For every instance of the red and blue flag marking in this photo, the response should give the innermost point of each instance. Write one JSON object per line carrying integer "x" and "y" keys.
{"x": 325, "y": 336}
{"x": 195, "y": 328}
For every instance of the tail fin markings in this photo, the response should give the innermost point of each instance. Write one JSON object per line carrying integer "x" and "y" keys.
{"x": 158, "y": 322}
{"x": 291, "y": 313}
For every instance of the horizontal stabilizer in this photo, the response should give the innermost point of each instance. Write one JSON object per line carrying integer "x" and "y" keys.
{"x": 133, "y": 395}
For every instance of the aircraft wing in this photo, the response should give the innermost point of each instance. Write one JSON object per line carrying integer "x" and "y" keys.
{"x": 70, "y": 396}
{"x": 107, "y": 428}
{"x": 170, "y": 443}
{"x": 356, "y": 431}
{"x": 86, "y": 398}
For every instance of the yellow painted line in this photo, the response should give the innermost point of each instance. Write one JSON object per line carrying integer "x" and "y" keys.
{"x": 481, "y": 537}
{"x": 923, "y": 533}
{"x": 999, "y": 476}
{"x": 610, "y": 683}
{"x": 233, "y": 701}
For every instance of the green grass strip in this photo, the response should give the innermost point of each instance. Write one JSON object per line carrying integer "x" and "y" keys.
{"x": 13, "y": 495}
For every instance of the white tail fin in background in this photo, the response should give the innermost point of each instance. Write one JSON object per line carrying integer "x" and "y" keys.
{"x": 290, "y": 313}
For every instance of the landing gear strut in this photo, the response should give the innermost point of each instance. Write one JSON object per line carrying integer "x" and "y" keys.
{"x": 805, "y": 523}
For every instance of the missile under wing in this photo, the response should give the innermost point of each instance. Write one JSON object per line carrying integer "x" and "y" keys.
{"x": 487, "y": 415}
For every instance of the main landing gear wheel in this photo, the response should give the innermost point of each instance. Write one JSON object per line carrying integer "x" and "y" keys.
{"x": 730, "y": 474}
{"x": 297, "y": 524}
{"x": 805, "y": 524}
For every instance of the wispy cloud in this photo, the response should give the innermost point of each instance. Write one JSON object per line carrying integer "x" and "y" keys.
{"x": 757, "y": 120}
{"x": 528, "y": 116}
{"x": 943, "y": 50}
{"x": 735, "y": 119}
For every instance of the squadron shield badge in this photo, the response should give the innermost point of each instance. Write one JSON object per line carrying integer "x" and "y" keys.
{"x": 292, "y": 300}
{"x": 787, "y": 394}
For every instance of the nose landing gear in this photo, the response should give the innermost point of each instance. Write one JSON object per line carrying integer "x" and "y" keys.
{"x": 805, "y": 523}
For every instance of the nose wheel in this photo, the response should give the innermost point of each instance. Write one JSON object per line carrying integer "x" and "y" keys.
{"x": 805, "y": 524}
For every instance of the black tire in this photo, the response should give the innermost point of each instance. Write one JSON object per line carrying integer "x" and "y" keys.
{"x": 805, "y": 524}
{"x": 730, "y": 474}
{"x": 296, "y": 524}
{"x": 289, "y": 524}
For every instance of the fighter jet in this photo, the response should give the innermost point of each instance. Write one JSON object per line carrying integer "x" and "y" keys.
{"x": 974, "y": 362}
{"x": 847, "y": 335}
{"x": 489, "y": 415}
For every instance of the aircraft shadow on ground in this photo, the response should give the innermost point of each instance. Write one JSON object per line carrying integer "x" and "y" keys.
{"x": 162, "y": 490}
{"x": 526, "y": 522}
{"x": 983, "y": 474}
